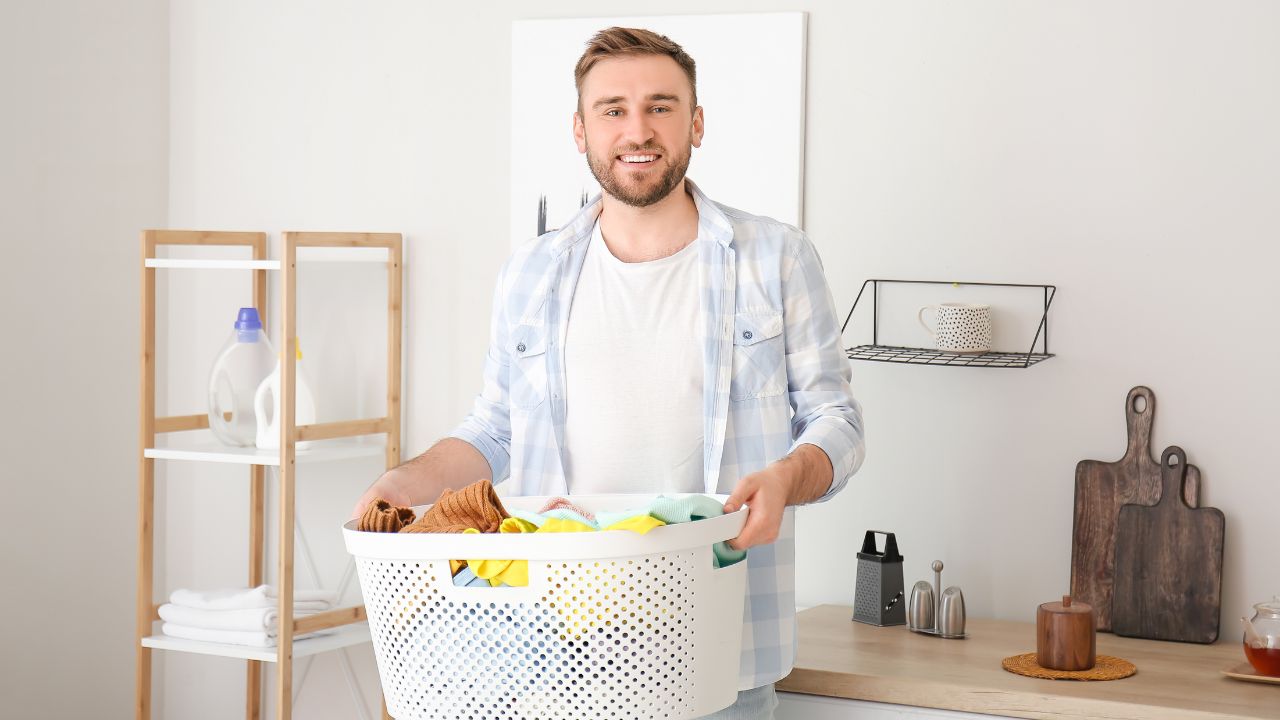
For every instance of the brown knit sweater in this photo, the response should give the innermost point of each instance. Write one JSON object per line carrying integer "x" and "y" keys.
{"x": 382, "y": 516}
{"x": 474, "y": 506}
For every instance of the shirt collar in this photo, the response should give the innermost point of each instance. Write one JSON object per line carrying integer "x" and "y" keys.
{"x": 712, "y": 222}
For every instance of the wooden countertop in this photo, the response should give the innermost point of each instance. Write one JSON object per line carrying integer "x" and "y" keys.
{"x": 843, "y": 659}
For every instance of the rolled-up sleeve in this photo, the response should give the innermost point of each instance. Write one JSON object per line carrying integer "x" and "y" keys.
{"x": 488, "y": 426}
{"x": 826, "y": 414}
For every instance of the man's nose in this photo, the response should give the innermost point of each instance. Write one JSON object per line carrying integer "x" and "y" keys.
{"x": 638, "y": 129}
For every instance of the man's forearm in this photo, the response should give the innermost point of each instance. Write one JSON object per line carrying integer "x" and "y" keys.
{"x": 449, "y": 464}
{"x": 809, "y": 470}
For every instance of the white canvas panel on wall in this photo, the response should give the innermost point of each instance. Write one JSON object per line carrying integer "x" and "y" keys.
{"x": 750, "y": 70}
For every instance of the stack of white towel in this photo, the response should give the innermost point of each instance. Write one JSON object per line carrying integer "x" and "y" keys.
{"x": 241, "y": 616}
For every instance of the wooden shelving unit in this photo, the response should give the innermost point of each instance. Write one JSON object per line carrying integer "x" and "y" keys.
{"x": 180, "y": 438}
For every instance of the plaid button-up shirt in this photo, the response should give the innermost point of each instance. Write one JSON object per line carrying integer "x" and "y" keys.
{"x": 774, "y": 377}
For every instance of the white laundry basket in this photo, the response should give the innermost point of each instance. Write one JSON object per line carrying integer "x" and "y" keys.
{"x": 613, "y": 624}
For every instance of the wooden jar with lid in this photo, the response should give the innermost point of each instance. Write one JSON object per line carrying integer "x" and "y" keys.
{"x": 1065, "y": 635}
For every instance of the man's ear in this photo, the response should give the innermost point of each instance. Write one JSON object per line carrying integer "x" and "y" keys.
{"x": 579, "y": 132}
{"x": 697, "y": 127}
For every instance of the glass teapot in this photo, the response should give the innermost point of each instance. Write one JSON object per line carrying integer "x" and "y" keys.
{"x": 1262, "y": 638}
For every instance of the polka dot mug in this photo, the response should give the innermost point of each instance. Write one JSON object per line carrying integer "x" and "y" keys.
{"x": 961, "y": 327}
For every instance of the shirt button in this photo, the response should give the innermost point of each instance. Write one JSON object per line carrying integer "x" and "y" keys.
{"x": 520, "y": 347}
{"x": 746, "y": 335}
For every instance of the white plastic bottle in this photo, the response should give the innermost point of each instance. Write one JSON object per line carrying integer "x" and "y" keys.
{"x": 266, "y": 405}
{"x": 237, "y": 372}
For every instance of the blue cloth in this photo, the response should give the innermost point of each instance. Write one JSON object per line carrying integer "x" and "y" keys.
{"x": 536, "y": 518}
{"x": 775, "y": 377}
{"x": 466, "y": 577}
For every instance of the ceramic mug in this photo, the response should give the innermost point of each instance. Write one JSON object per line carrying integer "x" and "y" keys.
{"x": 961, "y": 327}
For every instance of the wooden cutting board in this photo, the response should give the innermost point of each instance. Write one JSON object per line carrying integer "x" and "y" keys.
{"x": 1168, "y": 582}
{"x": 1101, "y": 489}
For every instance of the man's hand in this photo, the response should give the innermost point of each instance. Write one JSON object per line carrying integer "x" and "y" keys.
{"x": 765, "y": 492}
{"x": 801, "y": 477}
{"x": 388, "y": 487}
{"x": 449, "y": 464}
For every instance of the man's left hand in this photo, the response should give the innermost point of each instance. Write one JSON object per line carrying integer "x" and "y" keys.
{"x": 766, "y": 493}
{"x": 801, "y": 477}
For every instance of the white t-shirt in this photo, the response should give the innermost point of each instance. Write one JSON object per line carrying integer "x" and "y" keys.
{"x": 633, "y": 375}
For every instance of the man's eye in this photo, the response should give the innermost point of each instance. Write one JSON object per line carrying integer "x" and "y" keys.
{"x": 661, "y": 110}
{"x": 613, "y": 113}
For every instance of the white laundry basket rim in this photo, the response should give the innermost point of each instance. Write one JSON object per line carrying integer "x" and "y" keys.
{"x": 549, "y": 546}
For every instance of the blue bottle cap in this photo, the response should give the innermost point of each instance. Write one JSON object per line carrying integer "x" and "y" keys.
{"x": 248, "y": 319}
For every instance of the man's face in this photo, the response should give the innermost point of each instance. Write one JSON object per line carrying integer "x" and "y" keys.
{"x": 636, "y": 126}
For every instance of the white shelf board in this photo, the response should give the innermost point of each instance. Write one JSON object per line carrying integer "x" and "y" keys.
{"x": 201, "y": 446}
{"x": 305, "y": 255}
{"x": 344, "y": 636}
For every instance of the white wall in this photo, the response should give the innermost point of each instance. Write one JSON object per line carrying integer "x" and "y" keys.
{"x": 1123, "y": 151}
{"x": 84, "y": 127}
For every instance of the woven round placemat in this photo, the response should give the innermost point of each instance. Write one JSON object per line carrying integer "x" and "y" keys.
{"x": 1106, "y": 667}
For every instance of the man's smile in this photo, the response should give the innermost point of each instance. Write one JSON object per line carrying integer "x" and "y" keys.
{"x": 639, "y": 161}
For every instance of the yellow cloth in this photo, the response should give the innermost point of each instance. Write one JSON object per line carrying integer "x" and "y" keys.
{"x": 558, "y": 525}
{"x": 640, "y": 524}
{"x": 515, "y": 573}
{"x": 517, "y": 525}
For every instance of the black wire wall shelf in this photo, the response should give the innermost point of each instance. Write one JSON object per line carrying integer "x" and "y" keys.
{"x": 875, "y": 352}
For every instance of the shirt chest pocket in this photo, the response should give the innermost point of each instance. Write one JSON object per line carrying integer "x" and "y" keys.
{"x": 759, "y": 356}
{"x": 527, "y": 377}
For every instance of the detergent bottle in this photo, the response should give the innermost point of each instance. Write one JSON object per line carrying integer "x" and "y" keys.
{"x": 237, "y": 372}
{"x": 266, "y": 405}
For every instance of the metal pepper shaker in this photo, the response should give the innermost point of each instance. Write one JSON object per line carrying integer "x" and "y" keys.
{"x": 934, "y": 611}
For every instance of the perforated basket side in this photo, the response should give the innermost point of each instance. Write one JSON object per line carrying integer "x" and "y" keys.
{"x": 613, "y": 625}
{"x": 642, "y": 637}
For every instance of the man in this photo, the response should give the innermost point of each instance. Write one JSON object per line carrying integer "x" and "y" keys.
{"x": 662, "y": 343}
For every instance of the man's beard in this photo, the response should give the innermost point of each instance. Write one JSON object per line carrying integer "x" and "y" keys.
{"x": 638, "y": 196}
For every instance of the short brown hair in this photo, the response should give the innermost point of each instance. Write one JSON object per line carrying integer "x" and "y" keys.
{"x": 622, "y": 42}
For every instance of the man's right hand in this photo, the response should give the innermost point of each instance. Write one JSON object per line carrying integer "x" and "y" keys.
{"x": 449, "y": 464}
{"x": 389, "y": 487}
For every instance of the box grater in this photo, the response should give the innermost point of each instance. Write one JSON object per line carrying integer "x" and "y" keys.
{"x": 878, "y": 593}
